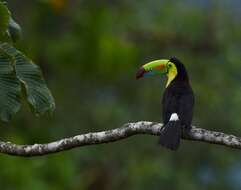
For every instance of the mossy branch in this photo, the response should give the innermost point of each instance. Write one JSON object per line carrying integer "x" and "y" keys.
{"x": 127, "y": 130}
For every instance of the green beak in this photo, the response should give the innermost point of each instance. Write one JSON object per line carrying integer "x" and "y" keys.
{"x": 152, "y": 68}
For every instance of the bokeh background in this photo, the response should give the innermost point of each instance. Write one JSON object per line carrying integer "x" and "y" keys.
{"x": 89, "y": 52}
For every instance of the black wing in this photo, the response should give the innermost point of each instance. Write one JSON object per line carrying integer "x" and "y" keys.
{"x": 180, "y": 101}
{"x": 185, "y": 109}
{"x": 169, "y": 105}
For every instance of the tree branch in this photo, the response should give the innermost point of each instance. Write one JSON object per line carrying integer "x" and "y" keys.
{"x": 127, "y": 130}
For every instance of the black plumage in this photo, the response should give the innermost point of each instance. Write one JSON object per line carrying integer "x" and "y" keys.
{"x": 178, "y": 98}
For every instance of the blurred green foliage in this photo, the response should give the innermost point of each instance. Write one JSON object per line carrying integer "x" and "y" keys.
{"x": 89, "y": 52}
{"x": 19, "y": 76}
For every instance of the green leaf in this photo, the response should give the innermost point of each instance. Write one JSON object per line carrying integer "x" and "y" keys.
{"x": 10, "y": 88}
{"x": 14, "y": 30}
{"x": 29, "y": 74}
{"x": 4, "y": 18}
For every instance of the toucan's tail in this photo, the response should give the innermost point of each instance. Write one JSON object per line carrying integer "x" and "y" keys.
{"x": 171, "y": 134}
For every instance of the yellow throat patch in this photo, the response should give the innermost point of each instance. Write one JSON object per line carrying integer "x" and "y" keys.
{"x": 172, "y": 73}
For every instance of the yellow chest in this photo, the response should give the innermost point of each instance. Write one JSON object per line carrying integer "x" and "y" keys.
{"x": 171, "y": 75}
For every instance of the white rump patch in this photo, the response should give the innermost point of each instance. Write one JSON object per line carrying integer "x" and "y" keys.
{"x": 174, "y": 117}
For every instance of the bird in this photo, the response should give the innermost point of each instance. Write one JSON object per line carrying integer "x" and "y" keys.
{"x": 177, "y": 100}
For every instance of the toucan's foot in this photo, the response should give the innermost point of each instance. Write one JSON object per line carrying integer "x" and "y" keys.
{"x": 185, "y": 127}
{"x": 186, "y": 130}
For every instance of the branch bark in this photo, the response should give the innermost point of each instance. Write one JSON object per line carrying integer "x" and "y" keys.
{"x": 127, "y": 130}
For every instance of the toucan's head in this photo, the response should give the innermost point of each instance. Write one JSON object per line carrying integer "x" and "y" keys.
{"x": 173, "y": 68}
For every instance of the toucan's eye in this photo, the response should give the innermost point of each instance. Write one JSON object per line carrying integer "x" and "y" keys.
{"x": 169, "y": 65}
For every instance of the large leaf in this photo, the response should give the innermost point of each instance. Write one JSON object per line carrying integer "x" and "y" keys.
{"x": 10, "y": 88}
{"x": 4, "y": 18}
{"x": 30, "y": 75}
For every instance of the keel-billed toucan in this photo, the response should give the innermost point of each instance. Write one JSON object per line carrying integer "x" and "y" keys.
{"x": 177, "y": 101}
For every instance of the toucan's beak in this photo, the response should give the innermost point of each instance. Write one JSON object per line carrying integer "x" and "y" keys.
{"x": 152, "y": 68}
{"x": 140, "y": 73}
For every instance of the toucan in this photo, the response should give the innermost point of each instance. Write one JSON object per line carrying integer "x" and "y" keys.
{"x": 177, "y": 101}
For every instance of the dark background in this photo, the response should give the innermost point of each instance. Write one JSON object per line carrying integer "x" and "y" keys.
{"x": 89, "y": 52}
